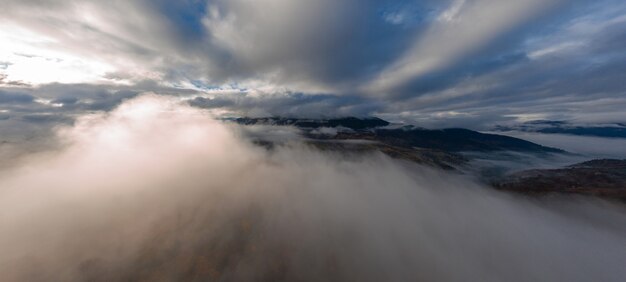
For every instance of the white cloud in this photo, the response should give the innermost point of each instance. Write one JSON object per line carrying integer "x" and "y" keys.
{"x": 156, "y": 189}
{"x": 461, "y": 30}
{"x": 555, "y": 49}
{"x": 31, "y": 61}
{"x": 451, "y": 14}
{"x": 85, "y": 41}
{"x": 462, "y": 56}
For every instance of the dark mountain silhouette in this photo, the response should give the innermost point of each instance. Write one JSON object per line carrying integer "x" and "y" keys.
{"x": 347, "y": 122}
{"x": 617, "y": 130}
{"x": 452, "y": 139}
{"x": 374, "y": 129}
{"x": 438, "y": 148}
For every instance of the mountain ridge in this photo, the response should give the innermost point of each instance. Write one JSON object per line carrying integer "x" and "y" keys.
{"x": 612, "y": 130}
{"x": 405, "y": 136}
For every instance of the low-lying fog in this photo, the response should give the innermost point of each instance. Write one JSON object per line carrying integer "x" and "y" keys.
{"x": 157, "y": 191}
{"x": 591, "y": 146}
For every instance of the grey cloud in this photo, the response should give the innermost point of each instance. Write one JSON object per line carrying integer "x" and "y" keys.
{"x": 4, "y": 81}
{"x": 307, "y": 44}
{"x": 9, "y": 97}
{"x": 565, "y": 62}
{"x": 554, "y": 79}
{"x": 461, "y": 30}
{"x": 29, "y": 115}
{"x": 290, "y": 104}
{"x": 131, "y": 35}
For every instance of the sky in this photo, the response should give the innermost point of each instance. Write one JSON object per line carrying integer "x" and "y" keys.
{"x": 113, "y": 146}
{"x": 444, "y": 63}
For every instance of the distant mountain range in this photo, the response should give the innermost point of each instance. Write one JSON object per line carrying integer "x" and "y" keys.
{"x": 449, "y": 149}
{"x": 614, "y": 130}
{"x": 450, "y": 139}
{"x": 347, "y": 122}
{"x": 378, "y": 130}
{"x": 438, "y": 148}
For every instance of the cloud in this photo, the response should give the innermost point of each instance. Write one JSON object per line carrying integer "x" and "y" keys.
{"x": 460, "y": 30}
{"x": 30, "y": 115}
{"x": 286, "y": 104}
{"x": 601, "y": 148}
{"x": 414, "y": 61}
{"x": 566, "y": 67}
{"x": 134, "y": 38}
{"x": 308, "y": 45}
{"x": 7, "y": 97}
{"x": 158, "y": 190}
{"x": 311, "y": 45}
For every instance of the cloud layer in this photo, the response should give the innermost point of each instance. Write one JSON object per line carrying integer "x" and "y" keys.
{"x": 435, "y": 63}
{"x": 159, "y": 191}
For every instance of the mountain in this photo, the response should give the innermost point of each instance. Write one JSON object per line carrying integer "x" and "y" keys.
{"x": 451, "y": 139}
{"x": 347, "y": 122}
{"x": 425, "y": 156}
{"x": 614, "y": 130}
{"x": 378, "y": 130}
{"x": 438, "y": 148}
{"x": 454, "y": 149}
{"x": 602, "y": 177}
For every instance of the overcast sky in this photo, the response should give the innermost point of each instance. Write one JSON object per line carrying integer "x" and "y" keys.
{"x": 435, "y": 63}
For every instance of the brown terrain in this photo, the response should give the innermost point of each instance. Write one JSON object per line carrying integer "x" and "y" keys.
{"x": 603, "y": 177}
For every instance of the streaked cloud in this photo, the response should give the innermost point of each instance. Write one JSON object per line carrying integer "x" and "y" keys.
{"x": 460, "y": 30}
{"x": 484, "y": 58}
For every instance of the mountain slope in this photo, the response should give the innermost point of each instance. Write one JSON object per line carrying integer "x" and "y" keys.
{"x": 375, "y": 129}
{"x": 452, "y": 139}
{"x": 603, "y": 177}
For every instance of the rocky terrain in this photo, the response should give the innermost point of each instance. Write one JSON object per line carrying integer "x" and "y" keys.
{"x": 603, "y": 177}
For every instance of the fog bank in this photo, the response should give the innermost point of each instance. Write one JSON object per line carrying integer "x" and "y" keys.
{"x": 591, "y": 146}
{"x": 159, "y": 191}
